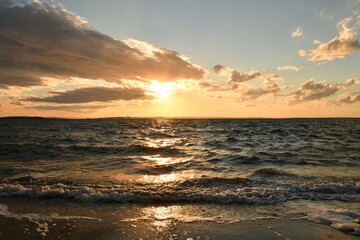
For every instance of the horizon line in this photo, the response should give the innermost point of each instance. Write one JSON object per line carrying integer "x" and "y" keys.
{"x": 181, "y": 118}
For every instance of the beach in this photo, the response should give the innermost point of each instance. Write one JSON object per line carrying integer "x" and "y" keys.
{"x": 55, "y": 219}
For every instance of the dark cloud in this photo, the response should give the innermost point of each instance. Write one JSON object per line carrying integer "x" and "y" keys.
{"x": 93, "y": 94}
{"x": 311, "y": 90}
{"x": 41, "y": 40}
{"x": 270, "y": 87}
{"x": 219, "y": 68}
{"x": 17, "y": 79}
{"x": 237, "y": 77}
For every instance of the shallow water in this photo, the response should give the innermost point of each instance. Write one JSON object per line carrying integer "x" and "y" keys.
{"x": 241, "y": 161}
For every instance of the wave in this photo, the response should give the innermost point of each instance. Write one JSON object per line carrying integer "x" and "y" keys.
{"x": 203, "y": 190}
{"x": 271, "y": 172}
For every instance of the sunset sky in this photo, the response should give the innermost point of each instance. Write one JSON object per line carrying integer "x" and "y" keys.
{"x": 153, "y": 58}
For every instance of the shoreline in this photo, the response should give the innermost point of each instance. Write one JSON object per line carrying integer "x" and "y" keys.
{"x": 24, "y": 218}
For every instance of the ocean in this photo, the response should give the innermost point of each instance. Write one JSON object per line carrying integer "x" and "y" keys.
{"x": 193, "y": 170}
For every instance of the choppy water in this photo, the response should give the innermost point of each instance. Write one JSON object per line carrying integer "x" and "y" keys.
{"x": 148, "y": 160}
{"x": 158, "y": 161}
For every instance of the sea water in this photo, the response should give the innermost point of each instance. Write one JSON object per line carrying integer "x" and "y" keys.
{"x": 306, "y": 167}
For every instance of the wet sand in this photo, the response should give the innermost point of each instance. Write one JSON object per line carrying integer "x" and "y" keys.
{"x": 262, "y": 229}
{"x": 56, "y": 219}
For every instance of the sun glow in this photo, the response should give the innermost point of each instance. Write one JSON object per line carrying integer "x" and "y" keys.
{"x": 161, "y": 90}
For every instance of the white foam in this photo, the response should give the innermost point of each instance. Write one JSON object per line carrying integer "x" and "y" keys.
{"x": 268, "y": 193}
{"x": 338, "y": 218}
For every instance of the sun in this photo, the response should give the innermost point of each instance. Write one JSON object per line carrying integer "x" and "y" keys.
{"x": 161, "y": 90}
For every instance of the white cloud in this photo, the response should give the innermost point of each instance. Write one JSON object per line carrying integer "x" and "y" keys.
{"x": 338, "y": 47}
{"x": 297, "y": 33}
{"x": 294, "y": 68}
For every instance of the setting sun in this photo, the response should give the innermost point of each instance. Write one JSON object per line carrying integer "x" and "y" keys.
{"x": 161, "y": 90}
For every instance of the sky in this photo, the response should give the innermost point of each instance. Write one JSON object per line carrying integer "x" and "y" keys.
{"x": 167, "y": 58}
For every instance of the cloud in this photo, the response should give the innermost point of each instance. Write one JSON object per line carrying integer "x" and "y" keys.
{"x": 93, "y": 94}
{"x": 41, "y": 40}
{"x": 8, "y": 78}
{"x": 338, "y": 47}
{"x": 324, "y": 14}
{"x": 349, "y": 98}
{"x": 71, "y": 108}
{"x": 297, "y": 33}
{"x": 214, "y": 88}
{"x": 236, "y": 76}
{"x": 296, "y": 69}
{"x": 270, "y": 87}
{"x": 311, "y": 90}
{"x": 219, "y": 69}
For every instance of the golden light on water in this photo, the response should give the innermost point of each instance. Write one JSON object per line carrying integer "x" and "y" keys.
{"x": 159, "y": 168}
{"x": 163, "y": 216}
{"x": 160, "y": 160}
{"x": 160, "y": 143}
{"x": 166, "y": 177}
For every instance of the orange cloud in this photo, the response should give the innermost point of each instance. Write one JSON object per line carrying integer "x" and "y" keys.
{"x": 213, "y": 88}
{"x": 350, "y": 97}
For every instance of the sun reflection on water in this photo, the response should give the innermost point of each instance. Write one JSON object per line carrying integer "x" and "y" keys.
{"x": 172, "y": 177}
{"x": 158, "y": 160}
{"x": 163, "y": 216}
{"x": 160, "y": 143}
